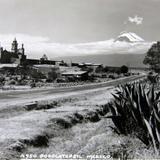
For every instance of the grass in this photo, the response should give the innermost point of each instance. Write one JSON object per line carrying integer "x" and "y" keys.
{"x": 136, "y": 111}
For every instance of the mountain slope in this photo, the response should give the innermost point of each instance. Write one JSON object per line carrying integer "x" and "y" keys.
{"x": 129, "y": 37}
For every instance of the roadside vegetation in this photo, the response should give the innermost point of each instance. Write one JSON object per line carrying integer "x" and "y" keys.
{"x": 135, "y": 109}
{"x": 31, "y": 77}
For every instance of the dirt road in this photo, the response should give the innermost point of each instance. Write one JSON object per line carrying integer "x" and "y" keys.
{"x": 21, "y": 97}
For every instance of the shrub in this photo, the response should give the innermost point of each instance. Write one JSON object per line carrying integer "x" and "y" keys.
{"x": 36, "y": 75}
{"x": 2, "y": 79}
{"x": 153, "y": 78}
{"x": 135, "y": 111}
{"x": 111, "y": 76}
{"x": 91, "y": 78}
{"x": 106, "y": 69}
{"x": 61, "y": 80}
{"x": 11, "y": 82}
{"x": 99, "y": 69}
{"x": 52, "y": 75}
{"x": 124, "y": 69}
{"x": 33, "y": 84}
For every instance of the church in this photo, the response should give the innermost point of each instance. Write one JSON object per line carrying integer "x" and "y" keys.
{"x": 16, "y": 55}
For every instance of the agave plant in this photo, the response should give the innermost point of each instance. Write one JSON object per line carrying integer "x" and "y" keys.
{"x": 136, "y": 110}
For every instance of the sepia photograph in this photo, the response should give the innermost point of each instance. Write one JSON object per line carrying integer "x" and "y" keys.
{"x": 79, "y": 79}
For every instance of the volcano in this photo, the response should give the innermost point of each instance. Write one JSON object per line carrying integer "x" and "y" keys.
{"x": 129, "y": 37}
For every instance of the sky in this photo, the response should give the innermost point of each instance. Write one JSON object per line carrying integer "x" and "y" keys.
{"x": 56, "y": 27}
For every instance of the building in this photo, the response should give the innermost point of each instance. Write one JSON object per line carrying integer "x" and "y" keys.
{"x": 44, "y": 58}
{"x": 77, "y": 75}
{"x": 92, "y": 66}
{"x": 46, "y": 69}
{"x": 16, "y": 55}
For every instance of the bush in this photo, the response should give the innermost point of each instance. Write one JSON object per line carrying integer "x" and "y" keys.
{"x": 52, "y": 75}
{"x": 111, "y": 76}
{"x": 61, "y": 80}
{"x": 11, "y": 82}
{"x": 124, "y": 69}
{"x": 49, "y": 80}
{"x": 33, "y": 84}
{"x": 72, "y": 79}
{"x": 91, "y": 78}
{"x": 2, "y": 79}
{"x": 153, "y": 78}
{"x": 127, "y": 74}
{"x": 136, "y": 111}
{"x": 36, "y": 75}
{"x": 99, "y": 69}
{"x": 106, "y": 69}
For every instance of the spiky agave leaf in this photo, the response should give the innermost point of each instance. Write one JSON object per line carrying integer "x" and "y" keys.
{"x": 112, "y": 109}
{"x": 158, "y": 135}
{"x": 151, "y": 135}
{"x": 158, "y": 96}
{"x": 117, "y": 97}
{"x": 135, "y": 106}
{"x": 157, "y": 116}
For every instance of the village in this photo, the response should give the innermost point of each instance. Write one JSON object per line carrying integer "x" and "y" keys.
{"x": 79, "y": 80}
{"x": 17, "y": 72}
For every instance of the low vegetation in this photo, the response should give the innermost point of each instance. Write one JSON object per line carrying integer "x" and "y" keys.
{"x": 136, "y": 111}
{"x": 31, "y": 77}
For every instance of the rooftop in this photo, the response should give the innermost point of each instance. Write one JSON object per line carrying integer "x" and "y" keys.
{"x": 74, "y": 73}
{"x": 13, "y": 65}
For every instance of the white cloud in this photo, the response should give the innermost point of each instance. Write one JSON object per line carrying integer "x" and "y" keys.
{"x": 36, "y": 46}
{"x": 136, "y": 19}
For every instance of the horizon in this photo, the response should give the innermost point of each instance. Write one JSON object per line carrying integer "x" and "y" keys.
{"x": 66, "y": 27}
{"x": 80, "y": 49}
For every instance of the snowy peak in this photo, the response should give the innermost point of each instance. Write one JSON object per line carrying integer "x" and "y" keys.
{"x": 129, "y": 37}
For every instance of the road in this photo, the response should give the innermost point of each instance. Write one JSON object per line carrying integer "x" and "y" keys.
{"x": 26, "y": 96}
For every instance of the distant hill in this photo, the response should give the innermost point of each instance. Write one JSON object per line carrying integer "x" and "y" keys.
{"x": 132, "y": 60}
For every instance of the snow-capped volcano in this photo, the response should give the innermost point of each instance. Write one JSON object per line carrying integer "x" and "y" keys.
{"x": 129, "y": 37}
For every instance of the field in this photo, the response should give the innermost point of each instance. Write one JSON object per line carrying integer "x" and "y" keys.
{"x": 73, "y": 123}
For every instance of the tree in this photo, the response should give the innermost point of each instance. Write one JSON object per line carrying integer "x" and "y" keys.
{"x": 106, "y": 69}
{"x": 124, "y": 69}
{"x": 53, "y": 75}
{"x": 153, "y": 78}
{"x": 36, "y": 75}
{"x": 99, "y": 69}
{"x": 152, "y": 57}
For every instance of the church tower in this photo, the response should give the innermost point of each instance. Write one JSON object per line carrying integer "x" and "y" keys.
{"x": 22, "y": 49}
{"x": 14, "y": 46}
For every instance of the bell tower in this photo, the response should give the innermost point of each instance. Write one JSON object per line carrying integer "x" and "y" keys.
{"x": 14, "y": 46}
{"x": 22, "y": 49}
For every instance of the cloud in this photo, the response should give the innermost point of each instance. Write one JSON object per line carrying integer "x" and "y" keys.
{"x": 36, "y": 46}
{"x": 137, "y": 20}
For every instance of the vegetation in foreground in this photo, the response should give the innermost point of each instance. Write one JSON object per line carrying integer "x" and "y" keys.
{"x": 136, "y": 111}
